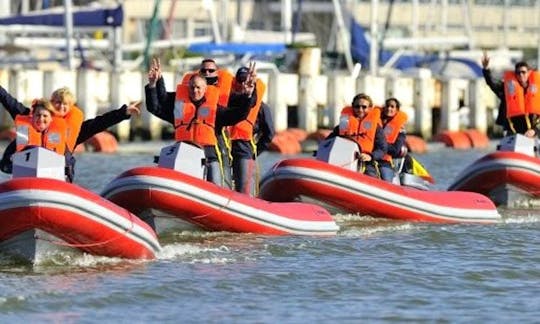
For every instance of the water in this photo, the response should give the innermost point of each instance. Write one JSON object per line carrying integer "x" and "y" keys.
{"x": 372, "y": 271}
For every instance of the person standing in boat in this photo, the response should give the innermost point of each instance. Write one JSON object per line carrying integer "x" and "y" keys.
{"x": 252, "y": 135}
{"x": 518, "y": 92}
{"x": 63, "y": 101}
{"x": 221, "y": 79}
{"x": 393, "y": 122}
{"x": 194, "y": 111}
{"x": 362, "y": 123}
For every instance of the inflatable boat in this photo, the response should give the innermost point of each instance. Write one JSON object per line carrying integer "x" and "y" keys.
{"x": 40, "y": 213}
{"x": 332, "y": 180}
{"x": 175, "y": 190}
{"x": 510, "y": 176}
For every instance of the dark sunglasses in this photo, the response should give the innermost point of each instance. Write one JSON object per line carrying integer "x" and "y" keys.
{"x": 208, "y": 70}
{"x": 360, "y": 106}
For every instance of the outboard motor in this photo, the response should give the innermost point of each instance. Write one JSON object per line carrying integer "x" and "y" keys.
{"x": 39, "y": 162}
{"x": 414, "y": 181}
{"x": 339, "y": 151}
{"x": 520, "y": 144}
{"x": 183, "y": 157}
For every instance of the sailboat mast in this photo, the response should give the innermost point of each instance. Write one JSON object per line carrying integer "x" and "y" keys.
{"x": 68, "y": 24}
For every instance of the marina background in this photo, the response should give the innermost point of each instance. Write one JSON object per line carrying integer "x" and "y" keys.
{"x": 373, "y": 270}
{"x": 314, "y": 55}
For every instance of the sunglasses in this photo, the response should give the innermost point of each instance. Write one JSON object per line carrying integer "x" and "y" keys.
{"x": 208, "y": 70}
{"x": 360, "y": 106}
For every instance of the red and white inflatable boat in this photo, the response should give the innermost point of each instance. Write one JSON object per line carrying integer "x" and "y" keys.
{"x": 166, "y": 194}
{"x": 346, "y": 190}
{"x": 509, "y": 176}
{"x": 41, "y": 213}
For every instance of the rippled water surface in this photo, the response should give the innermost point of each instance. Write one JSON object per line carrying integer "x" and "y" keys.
{"x": 373, "y": 270}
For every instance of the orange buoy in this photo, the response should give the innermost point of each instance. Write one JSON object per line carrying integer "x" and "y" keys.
{"x": 457, "y": 140}
{"x": 319, "y": 135}
{"x": 477, "y": 138}
{"x": 416, "y": 144}
{"x": 80, "y": 148}
{"x": 103, "y": 142}
{"x": 298, "y": 133}
{"x": 285, "y": 143}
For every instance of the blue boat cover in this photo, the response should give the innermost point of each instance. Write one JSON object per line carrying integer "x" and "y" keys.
{"x": 360, "y": 48}
{"x": 238, "y": 48}
{"x": 110, "y": 17}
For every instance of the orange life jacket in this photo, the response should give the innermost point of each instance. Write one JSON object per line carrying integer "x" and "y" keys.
{"x": 361, "y": 131}
{"x": 243, "y": 130}
{"x": 54, "y": 138}
{"x": 74, "y": 119}
{"x": 392, "y": 128}
{"x": 192, "y": 124}
{"x": 224, "y": 83}
{"x": 518, "y": 101}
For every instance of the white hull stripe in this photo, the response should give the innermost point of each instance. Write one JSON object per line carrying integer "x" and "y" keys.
{"x": 219, "y": 202}
{"x": 82, "y": 207}
{"x": 477, "y": 169}
{"x": 334, "y": 181}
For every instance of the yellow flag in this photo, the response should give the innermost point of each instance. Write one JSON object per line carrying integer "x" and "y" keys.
{"x": 419, "y": 170}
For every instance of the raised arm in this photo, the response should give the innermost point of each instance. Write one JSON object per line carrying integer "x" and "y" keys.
{"x": 100, "y": 123}
{"x": 163, "y": 109}
{"x": 12, "y": 105}
{"x": 496, "y": 86}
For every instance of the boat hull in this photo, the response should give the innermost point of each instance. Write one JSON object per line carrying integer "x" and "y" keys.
{"x": 510, "y": 179}
{"x": 211, "y": 207}
{"x": 352, "y": 192}
{"x": 56, "y": 213}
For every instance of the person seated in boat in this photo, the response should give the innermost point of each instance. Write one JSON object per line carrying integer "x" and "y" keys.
{"x": 519, "y": 108}
{"x": 42, "y": 128}
{"x": 252, "y": 135}
{"x": 221, "y": 79}
{"x": 194, "y": 111}
{"x": 63, "y": 101}
{"x": 361, "y": 123}
{"x": 393, "y": 123}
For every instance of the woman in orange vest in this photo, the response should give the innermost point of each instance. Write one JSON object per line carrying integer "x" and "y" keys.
{"x": 193, "y": 117}
{"x": 362, "y": 123}
{"x": 41, "y": 128}
{"x": 250, "y": 136}
{"x": 394, "y": 121}
{"x": 63, "y": 101}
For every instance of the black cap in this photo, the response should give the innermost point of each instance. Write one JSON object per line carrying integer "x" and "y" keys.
{"x": 242, "y": 74}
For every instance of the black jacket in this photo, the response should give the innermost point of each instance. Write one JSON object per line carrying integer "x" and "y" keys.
{"x": 394, "y": 150}
{"x": 263, "y": 132}
{"x": 519, "y": 122}
{"x": 160, "y": 103}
